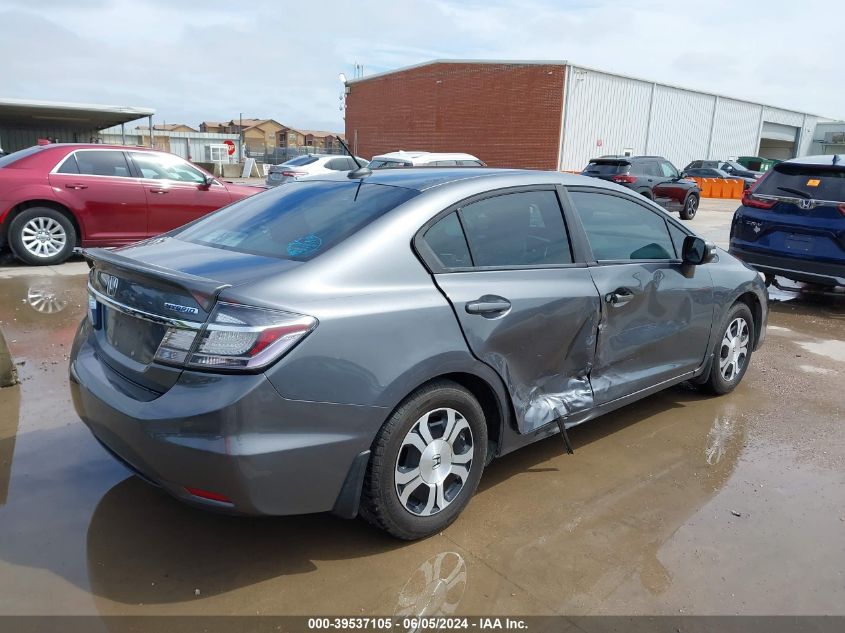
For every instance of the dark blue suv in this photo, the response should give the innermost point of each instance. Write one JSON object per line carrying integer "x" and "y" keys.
{"x": 792, "y": 222}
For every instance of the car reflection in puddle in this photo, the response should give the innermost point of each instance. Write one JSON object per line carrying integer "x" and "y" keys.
{"x": 45, "y": 299}
{"x": 434, "y": 589}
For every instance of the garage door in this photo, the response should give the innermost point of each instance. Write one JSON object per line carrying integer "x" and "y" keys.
{"x": 778, "y": 141}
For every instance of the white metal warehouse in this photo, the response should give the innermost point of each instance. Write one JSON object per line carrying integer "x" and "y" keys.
{"x": 605, "y": 113}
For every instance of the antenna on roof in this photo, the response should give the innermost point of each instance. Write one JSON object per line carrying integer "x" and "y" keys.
{"x": 355, "y": 173}
{"x": 836, "y": 159}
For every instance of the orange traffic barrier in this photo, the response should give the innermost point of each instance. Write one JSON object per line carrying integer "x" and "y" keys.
{"x": 730, "y": 188}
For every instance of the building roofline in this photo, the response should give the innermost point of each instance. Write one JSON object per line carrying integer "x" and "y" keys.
{"x": 91, "y": 107}
{"x": 501, "y": 62}
{"x": 511, "y": 62}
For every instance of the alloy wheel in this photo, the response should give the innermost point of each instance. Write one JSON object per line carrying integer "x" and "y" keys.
{"x": 692, "y": 205}
{"x": 434, "y": 462}
{"x": 43, "y": 237}
{"x": 733, "y": 351}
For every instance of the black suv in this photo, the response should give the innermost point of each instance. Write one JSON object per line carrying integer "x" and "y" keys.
{"x": 731, "y": 167}
{"x": 652, "y": 176}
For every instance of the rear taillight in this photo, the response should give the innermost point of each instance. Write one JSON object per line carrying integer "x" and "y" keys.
{"x": 750, "y": 200}
{"x": 294, "y": 174}
{"x": 841, "y": 208}
{"x": 625, "y": 178}
{"x": 237, "y": 337}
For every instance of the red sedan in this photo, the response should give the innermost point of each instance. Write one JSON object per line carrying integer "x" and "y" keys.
{"x": 54, "y": 198}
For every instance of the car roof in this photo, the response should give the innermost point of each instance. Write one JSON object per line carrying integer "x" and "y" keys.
{"x": 826, "y": 159}
{"x": 621, "y": 159}
{"x": 423, "y": 178}
{"x": 417, "y": 155}
{"x": 75, "y": 146}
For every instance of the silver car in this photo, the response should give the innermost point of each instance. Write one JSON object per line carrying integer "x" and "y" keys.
{"x": 369, "y": 344}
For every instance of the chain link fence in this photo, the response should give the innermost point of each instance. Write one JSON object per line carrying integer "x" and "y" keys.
{"x": 279, "y": 155}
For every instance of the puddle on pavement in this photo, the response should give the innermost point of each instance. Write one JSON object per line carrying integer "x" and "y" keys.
{"x": 831, "y": 349}
{"x": 639, "y": 520}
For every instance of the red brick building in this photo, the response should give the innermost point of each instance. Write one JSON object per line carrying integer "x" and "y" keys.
{"x": 508, "y": 114}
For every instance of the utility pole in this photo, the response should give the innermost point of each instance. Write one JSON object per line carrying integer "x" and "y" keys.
{"x": 241, "y": 136}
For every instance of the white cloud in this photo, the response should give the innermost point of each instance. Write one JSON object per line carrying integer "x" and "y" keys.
{"x": 281, "y": 60}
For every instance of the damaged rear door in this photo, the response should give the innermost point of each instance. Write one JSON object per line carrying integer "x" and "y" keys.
{"x": 505, "y": 262}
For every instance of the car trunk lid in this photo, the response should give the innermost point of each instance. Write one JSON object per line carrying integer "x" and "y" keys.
{"x": 133, "y": 302}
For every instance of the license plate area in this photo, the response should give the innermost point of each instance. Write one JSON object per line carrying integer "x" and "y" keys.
{"x": 135, "y": 338}
{"x": 799, "y": 243}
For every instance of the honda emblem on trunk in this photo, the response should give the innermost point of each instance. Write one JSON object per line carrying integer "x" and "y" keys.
{"x": 806, "y": 204}
{"x": 111, "y": 284}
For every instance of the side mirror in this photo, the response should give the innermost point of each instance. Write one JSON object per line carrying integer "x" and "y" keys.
{"x": 696, "y": 251}
{"x": 209, "y": 180}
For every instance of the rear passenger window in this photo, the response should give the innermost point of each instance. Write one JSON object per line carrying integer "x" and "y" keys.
{"x": 102, "y": 163}
{"x": 337, "y": 164}
{"x": 517, "y": 229}
{"x": 69, "y": 166}
{"x": 446, "y": 240}
{"x": 619, "y": 229}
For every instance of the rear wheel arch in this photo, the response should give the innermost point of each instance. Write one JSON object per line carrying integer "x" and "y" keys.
{"x": 496, "y": 403}
{"x": 753, "y": 302}
{"x": 50, "y": 204}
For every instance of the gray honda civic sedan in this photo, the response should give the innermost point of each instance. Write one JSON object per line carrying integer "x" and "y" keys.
{"x": 368, "y": 344}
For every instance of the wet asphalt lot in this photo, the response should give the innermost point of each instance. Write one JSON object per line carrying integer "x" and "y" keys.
{"x": 677, "y": 504}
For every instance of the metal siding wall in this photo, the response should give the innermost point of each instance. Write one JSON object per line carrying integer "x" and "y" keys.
{"x": 612, "y": 109}
{"x": 807, "y": 135}
{"x": 736, "y": 129}
{"x": 14, "y": 138}
{"x": 784, "y": 117}
{"x": 179, "y": 141}
{"x": 680, "y": 125}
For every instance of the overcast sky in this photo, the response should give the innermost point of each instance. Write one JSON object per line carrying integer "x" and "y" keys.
{"x": 211, "y": 60}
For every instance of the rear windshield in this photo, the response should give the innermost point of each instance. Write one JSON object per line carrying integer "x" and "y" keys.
{"x": 8, "y": 159}
{"x": 301, "y": 160}
{"x": 298, "y": 221}
{"x": 607, "y": 169}
{"x": 819, "y": 182}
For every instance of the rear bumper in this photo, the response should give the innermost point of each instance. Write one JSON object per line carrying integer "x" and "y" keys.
{"x": 794, "y": 268}
{"x": 231, "y": 435}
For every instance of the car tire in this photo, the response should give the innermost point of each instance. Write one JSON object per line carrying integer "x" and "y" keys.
{"x": 729, "y": 364}
{"x": 28, "y": 228}
{"x": 690, "y": 207}
{"x": 411, "y": 472}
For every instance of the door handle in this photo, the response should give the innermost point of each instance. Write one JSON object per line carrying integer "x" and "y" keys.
{"x": 75, "y": 186}
{"x": 158, "y": 191}
{"x": 487, "y": 305}
{"x": 618, "y": 297}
